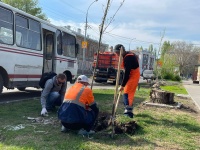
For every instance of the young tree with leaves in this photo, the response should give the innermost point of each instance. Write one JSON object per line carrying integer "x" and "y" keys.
{"x": 151, "y": 48}
{"x": 165, "y": 48}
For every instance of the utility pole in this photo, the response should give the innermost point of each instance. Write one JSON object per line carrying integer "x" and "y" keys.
{"x": 85, "y": 40}
{"x": 99, "y": 45}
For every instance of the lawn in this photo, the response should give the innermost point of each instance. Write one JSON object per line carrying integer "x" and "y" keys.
{"x": 158, "y": 128}
{"x": 175, "y": 87}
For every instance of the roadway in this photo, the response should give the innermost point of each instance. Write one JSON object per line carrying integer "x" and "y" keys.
{"x": 193, "y": 90}
{"x": 16, "y": 95}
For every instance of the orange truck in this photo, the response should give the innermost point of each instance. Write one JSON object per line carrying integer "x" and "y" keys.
{"x": 106, "y": 69}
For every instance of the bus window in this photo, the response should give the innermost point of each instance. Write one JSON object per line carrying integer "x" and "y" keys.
{"x": 22, "y": 30}
{"x": 34, "y": 25}
{"x": 69, "y": 43}
{"x": 59, "y": 42}
{"x": 6, "y": 26}
{"x": 35, "y": 34}
{"x": 28, "y": 34}
{"x": 49, "y": 46}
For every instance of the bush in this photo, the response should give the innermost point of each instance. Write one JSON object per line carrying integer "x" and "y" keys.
{"x": 171, "y": 76}
{"x": 177, "y": 78}
{"x": 168, "y": 76}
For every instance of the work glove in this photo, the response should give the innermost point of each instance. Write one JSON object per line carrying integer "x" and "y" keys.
{"x": 44, "y": 112}
{"x": 121, "y": 88}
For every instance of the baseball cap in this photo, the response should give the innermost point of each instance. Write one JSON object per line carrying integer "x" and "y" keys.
{"x": 118, "y": 47}
{"x": 83, "y": 78}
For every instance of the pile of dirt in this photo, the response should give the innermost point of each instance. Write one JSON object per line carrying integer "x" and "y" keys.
{"x": 104, "y": 122}
{"x": 128, "y": 127}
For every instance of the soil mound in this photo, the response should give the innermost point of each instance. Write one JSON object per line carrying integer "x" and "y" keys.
{"x": 104, "y": 122}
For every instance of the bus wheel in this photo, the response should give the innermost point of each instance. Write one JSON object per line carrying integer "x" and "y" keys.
{"x": 1, "y": 84}
{"x": 21, "y": 88}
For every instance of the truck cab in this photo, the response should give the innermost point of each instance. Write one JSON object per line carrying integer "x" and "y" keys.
{"x": 106, "y": 67}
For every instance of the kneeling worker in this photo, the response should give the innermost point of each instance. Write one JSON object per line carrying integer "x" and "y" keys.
{"x": 79, "y": 110}
{"x": 53, "y": 93}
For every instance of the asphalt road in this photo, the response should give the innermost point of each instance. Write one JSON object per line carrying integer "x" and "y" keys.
{"x": 16, "y": 95}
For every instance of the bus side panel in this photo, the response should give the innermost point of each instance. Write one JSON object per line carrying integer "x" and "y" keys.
{"x": 64, "y": 64}
{"x": 22, "y": 66}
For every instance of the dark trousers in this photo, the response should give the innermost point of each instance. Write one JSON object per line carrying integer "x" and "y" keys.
{"x": 76, "y": 126}
{"x": 53, "y": 99}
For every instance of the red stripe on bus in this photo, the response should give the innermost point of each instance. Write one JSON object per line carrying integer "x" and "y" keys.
{"x": 19, "y": 51}
{"x": 23, "y": 76}
{"x": 26, "y": 76}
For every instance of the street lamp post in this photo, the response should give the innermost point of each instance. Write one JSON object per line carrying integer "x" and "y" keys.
{"x": 130, "y": 43}
{"x": 84, "y": 49}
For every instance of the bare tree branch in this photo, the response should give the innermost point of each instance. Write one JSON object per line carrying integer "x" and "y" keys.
{"x": 112, "y": 18}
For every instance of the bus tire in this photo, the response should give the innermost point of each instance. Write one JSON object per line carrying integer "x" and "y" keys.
{"x": 21, "y": 88}
{"x": 1, "y": 84}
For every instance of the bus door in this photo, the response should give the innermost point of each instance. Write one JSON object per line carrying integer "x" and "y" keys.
{"x": 48, "y": 54}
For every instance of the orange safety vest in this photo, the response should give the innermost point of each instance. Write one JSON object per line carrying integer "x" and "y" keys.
{"x": 132, "y": 83}
{"x": 79, "y": 95}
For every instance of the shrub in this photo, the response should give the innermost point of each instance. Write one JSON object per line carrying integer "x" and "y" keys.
{"x": 168, "y": 76}
{"x": 171, "y": 76}
{"x": 177, "y": 78}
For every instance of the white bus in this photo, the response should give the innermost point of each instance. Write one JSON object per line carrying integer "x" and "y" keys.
{"x": 30, "y": 47}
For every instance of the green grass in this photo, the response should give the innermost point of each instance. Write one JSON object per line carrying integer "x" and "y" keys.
{"x": 159, "y": 128}
{"x": 177, "y": 89}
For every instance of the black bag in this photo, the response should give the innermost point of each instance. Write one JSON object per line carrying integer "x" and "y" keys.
{"x": 45, "y": 77}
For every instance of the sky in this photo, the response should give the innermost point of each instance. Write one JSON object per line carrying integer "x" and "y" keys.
{"x": 136, "y": 23}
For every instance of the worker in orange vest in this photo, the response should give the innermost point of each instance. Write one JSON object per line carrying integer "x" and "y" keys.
{"x": 131, "y": 78}
{"x": 79, "y": 110}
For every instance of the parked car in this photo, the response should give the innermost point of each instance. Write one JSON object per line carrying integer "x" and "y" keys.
{"x": 148, "y": 74}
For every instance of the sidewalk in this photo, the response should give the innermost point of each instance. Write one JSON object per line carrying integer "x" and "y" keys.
{"x": 193, "y": 90}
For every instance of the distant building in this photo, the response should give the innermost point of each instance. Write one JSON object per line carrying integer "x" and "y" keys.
{"x": 146, "y": 59}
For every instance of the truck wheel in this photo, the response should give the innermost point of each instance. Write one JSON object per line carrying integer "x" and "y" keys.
{"x": 121, "y": 78}
{"x": 1, "y": 84}
{"x": 114, "y": 82}
{"x": 21, "y": 88}
{"x": 98, "y": 81}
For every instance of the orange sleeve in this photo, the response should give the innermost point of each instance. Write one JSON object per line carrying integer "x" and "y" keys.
{"x": 87, "y": 96}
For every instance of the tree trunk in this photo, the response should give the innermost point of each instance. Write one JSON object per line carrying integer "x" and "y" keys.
{"x": 160, "y": 96}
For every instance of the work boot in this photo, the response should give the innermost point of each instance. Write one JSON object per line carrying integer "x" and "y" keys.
{"x": 129, "y": 114}
{"x": 84, "y": 132}
{"x": 63, "y": 129}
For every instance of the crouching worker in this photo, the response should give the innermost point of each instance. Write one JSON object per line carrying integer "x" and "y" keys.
{"x": 79, "y": 110}
{"x": 53, "y": 93}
